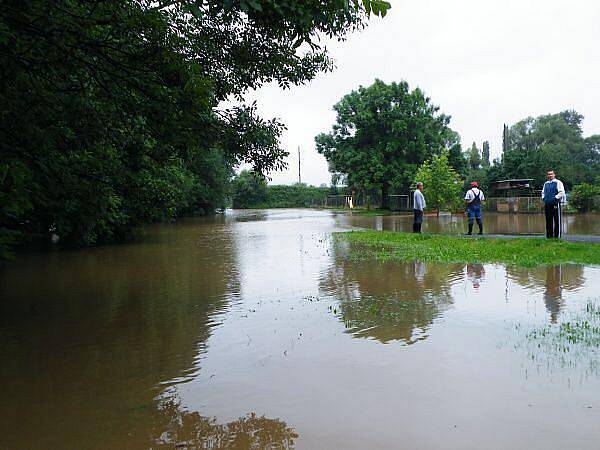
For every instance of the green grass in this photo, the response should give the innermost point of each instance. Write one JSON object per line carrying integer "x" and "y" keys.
{"x": 583, "y": 329}
{"x": 523, "y": 252}
{"x": 573, "y": 342}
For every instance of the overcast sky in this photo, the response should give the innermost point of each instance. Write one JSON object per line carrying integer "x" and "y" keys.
{"x": 484, "y": 63}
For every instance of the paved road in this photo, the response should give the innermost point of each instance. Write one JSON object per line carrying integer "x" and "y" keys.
{"x": 569, "y": 237}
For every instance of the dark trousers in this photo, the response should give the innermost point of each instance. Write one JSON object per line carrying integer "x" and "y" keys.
{"x": 418, "y": 221}
{"x": 553, "y": 219}
{"x": 474, "y": 214}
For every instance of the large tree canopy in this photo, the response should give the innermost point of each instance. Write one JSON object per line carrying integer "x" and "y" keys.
{"x": 554, "y": 141}
{"x": 111, "y": 110}
{"x": 382, "y": 134}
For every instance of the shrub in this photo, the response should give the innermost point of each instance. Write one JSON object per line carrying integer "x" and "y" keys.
{"x": 584, "y": 197}
{"x": 251, "y": 191}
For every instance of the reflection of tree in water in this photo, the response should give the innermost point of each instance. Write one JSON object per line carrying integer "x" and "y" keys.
{"x": 190, "y": 430}
{"x": 390, "y": 300}
{"x": 553, "y": 280}
{"x": 91, "y": 337}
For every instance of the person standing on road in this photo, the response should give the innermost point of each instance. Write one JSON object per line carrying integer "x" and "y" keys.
{"x": 473, "y": 199}
{"x": 418, "y": 207}
{"x": 553, "y": 194}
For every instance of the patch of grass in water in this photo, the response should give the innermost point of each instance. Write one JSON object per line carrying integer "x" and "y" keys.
{"x": 583, "y": 329}
{"x": 570, "y": 343}
{"x": 523, "y": 252}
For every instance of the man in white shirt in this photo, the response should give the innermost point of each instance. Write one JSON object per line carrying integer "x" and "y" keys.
{"x": 418, "y": 207}
{"x": 553, "y": 194}
{"x": 473, "y": 199}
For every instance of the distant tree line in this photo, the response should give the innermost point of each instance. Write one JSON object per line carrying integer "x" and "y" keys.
{"x": 112, "y": 111}
{"x": 553, "y": 141}
{"x": 533, "y": 146}
{"x": 250, "y": 190}
{"x": 384, "y": 133}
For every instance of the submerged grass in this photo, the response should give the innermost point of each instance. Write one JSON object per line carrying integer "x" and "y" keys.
{"x": 574, "y": 342}
{"x": 523, "y": 252}
{"x": 582, "y": 329}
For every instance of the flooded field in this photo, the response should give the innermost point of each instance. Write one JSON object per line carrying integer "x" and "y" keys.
{"x": 254, "y": 330}
{"x": 579, "y": 224}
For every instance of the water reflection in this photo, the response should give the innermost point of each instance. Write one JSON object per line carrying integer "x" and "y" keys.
{"x": 189, "y": 430}
{"x": 390, "y": 301}
{"x": 92, "y": 336}
{"x": 476, "y": 274}
{"x": 553, "y": 292}
{"x": 552, "y": 281}
{"x": 146, "y": 345}
{"x": 580, "y": 224}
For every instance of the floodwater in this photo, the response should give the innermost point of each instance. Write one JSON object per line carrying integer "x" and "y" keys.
{"x": 255, "y": 330}
{"x": 494, "y": 223}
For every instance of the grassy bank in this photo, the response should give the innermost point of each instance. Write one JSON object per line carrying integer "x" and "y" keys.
{"x": 386, "y": 245}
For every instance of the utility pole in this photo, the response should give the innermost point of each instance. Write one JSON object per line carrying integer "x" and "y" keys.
{"x": 299, "y": 175}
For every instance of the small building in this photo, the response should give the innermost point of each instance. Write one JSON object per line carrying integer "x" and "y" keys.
{"x": 514, "y": 196}
{"x": 522, "y": 187}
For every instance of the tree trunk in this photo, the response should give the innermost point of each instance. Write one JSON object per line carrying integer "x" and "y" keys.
{"x": 385, "y": 201}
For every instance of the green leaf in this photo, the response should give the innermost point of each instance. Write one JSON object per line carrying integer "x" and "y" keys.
{"x": 255, "y": 4}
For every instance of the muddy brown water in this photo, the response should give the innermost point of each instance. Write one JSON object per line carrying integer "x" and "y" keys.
{"x": 255, "y": 330}
{"x": 573, "y": 224}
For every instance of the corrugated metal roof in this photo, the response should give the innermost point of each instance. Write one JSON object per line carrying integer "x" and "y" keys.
{"x": 513, "y": 180}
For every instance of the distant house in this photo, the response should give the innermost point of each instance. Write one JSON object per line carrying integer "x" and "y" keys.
{"x": 514, "y": 196}
{"x": 522, "y": 187}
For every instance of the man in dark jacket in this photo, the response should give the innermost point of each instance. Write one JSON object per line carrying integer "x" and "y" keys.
{"x": 553, "y": 194}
